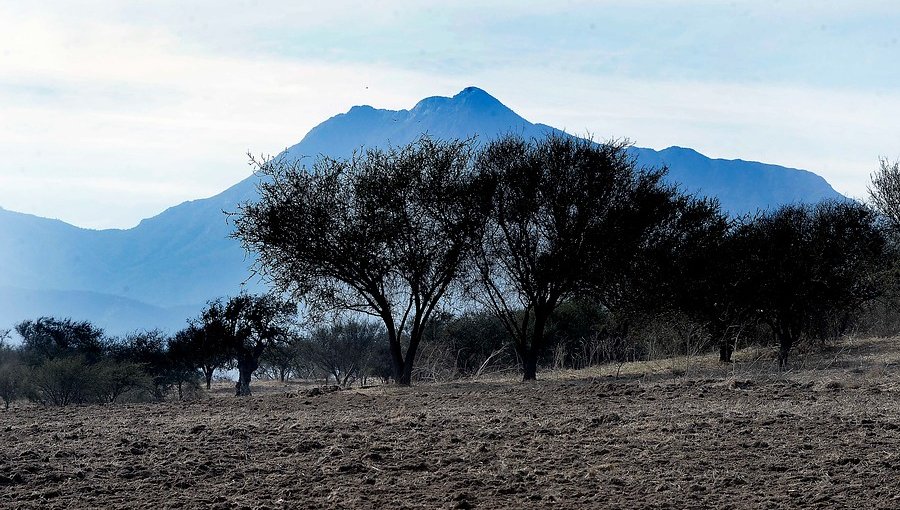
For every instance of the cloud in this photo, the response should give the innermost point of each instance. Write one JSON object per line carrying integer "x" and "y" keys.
{"x": 122, "y": 103}
{"x": 112, "y": 111}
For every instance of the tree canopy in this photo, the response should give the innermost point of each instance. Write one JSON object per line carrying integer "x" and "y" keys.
{"x": 240, "y": 329}
{"x": 571, "y": 217}
{"x": 803, "y": 264}
{"x": 382, "y": 233}
{"x": 48, "y": 338}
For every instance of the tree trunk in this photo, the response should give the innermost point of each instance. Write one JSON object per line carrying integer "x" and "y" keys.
{"x": 208, "y": 374}
{"x": 397, "y": 364}
{"x": 531, "y": 352}
{"x": 529, "y": 365}
{"x": 726, "y": 349}
{"x": 785, "y": 342}
{"x": 784, "y": 348}
{"x": 405, "y": 367}
{"x": 246, "y": 366}
{"x": 405, "y": 378}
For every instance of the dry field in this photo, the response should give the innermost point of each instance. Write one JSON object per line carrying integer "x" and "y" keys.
{"x": 682, "y": 433}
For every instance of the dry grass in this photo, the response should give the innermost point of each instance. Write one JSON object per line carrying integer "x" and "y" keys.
{"x": 848, "y": 359}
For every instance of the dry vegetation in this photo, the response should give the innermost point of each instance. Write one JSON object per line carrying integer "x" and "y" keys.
{"x": 676, "y": 433}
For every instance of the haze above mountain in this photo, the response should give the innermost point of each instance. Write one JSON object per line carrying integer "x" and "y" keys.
{"x": 162, "y": 271}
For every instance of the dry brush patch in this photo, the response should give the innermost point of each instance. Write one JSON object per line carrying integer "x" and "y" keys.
{"x": 760, "y": 441}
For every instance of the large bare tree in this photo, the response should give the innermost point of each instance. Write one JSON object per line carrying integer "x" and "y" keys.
{"x": 572, "y": 217}
{"x": 382, "y": 233}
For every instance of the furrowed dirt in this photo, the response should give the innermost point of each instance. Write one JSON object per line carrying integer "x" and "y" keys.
{"x": 582, "y": 443}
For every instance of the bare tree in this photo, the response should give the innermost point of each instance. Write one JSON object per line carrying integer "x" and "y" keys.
{"x": 245, "y": 326}
{"x": 570, "y": 217}
{"x": 280, "y": 359}
{"x": 383, "y": 233}
{"x": 344, "y": 349}
{"x": 884, "y": 191}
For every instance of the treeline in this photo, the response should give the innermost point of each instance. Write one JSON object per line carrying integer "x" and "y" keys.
{"x": 62, "y": 361}
{"x": 558, "y": 252}
{"x": 516, "y": 229}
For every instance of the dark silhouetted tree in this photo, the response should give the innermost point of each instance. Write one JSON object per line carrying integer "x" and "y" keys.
{"x": 48, "y": 338}
{"x": 246, "y": 325}
{"x": 804, "y": 264}
{"x": 383, "y": 233}
{"x": 572, "y": 217}
{"x": 144, "y": 348}
{"x": 159, "y": 358}
{"x": 199, "y": 346}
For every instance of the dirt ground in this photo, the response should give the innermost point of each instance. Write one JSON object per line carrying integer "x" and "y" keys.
{"x": 697, "y": 435}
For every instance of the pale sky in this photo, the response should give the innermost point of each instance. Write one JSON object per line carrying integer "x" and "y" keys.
{"x": 112, "y": 111}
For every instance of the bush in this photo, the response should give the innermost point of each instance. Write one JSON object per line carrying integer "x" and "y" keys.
{"x": 476, "y": 340}
{"x": 344, "y": 349}
{"x": 190, "y": 389}
{"x": 380, "y": 365}
{"x": 63, "y": 381}
{"x": 10, "y": 382}
{"x": 577, "y": 332}
{"x": 114, "y": 380}
{"x": 670, "y": 334}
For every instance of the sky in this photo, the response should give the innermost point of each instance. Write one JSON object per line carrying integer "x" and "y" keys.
{"x": 112, "y": 111}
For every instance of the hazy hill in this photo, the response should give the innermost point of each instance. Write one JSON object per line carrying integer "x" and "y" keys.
{"x": 172, "y": 263}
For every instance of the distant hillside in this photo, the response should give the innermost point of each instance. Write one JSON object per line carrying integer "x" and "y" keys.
{"x": 741, "y": 186}
{"x": 175, "y": 261}
{"x": 115, "y": 314}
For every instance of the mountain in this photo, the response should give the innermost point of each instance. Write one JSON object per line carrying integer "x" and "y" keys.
{"x": 116, "y": 314}
{"x": 170, "y": 264}
{"x": 741, "y": 186}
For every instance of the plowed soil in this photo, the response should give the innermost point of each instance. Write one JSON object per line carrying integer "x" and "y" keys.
{"x": 758, "y": 442}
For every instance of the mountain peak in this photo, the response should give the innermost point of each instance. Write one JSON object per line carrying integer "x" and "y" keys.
{"x": 476, "y": 95}
{"x": 679, "y": 149}
{"x": 363, "y": 108}
{"x": 469, "y": 98}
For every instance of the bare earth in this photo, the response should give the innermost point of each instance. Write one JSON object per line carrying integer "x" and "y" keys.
{"x": 694, "y": 437}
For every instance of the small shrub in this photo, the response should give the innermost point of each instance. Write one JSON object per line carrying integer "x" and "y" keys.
{"x": 62, "y": 381}
{"x": 185, "y": 385}
{"x": 114, "y": 380}
{"x": 10, "y": 382}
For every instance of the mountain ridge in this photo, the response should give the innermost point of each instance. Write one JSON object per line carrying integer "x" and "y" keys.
{"x": 184, "y": 256}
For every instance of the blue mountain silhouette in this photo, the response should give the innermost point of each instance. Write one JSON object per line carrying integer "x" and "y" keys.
{"x": 155, "y": 274}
